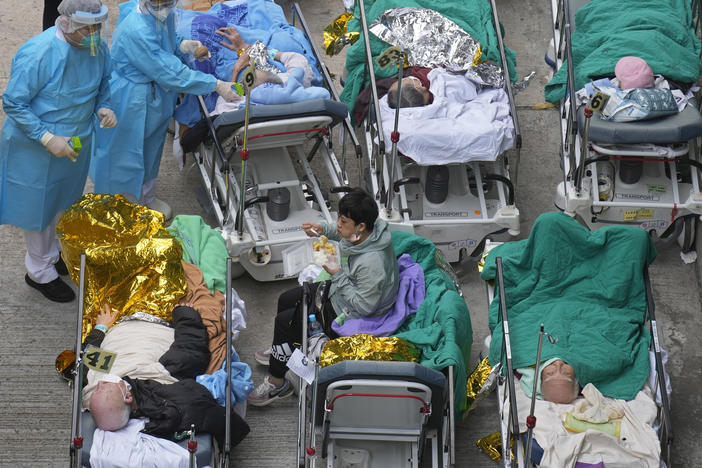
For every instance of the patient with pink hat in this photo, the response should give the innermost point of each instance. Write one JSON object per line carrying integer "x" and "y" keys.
{"x": 634, "y": 72}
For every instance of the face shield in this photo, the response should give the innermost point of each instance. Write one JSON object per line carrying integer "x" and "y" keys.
{"x": 83, "y": 29}
{"x": 160, "y": 9}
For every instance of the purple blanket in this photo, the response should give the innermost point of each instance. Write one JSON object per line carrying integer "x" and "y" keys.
{"x": 410, "y": 295}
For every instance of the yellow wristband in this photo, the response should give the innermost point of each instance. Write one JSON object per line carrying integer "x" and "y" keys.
{"x": 239, "y": 52}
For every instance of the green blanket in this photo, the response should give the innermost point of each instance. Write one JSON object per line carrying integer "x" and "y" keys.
{"x": 473, "y": 16}
{"x": 660, "y": 32}
{"x": 587, "y": 289}
{"x": 203, "y": 247}
{"x": 441, "y": 328}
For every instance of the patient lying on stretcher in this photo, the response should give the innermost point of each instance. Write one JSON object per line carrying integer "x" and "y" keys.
{"x": 153, "y": 375}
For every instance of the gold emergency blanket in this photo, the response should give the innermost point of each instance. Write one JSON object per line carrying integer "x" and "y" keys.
{"x": 364, "y": 347}
{"x": 336, "y": 35}
{"x": 491, "y": 445}
{"x": 476, "y": 380}
{"x": 132, "y": 262}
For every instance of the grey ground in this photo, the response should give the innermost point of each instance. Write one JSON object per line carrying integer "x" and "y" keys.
{"x": 35, "y": 414}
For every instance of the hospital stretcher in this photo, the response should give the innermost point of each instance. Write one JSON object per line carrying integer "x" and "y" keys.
{"x": 364, "y": 413}
{"x": 262, "y": 167}
{"x": 477, "y": 197}
{"x": 514, "y": 427}
{"x": 645, "y": 173}
{"x": 202, "y": 447}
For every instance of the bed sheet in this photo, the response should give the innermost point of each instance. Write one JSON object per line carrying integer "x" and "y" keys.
{"x": 662, "y": 33}
{"x": 473, "y": 16}
{"x": 587, "y": 289}
{"x": 464, "y": 123}
{"x": 638, "y": 444}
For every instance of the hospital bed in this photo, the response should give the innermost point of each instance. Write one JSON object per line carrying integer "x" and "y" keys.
{"x": 644, "y": 173}
{"x": 364, "y": 413}
{"x": 203, "y": 449}
{"x": 514, "y": 405}
{"x": 456, "y": 203}
{"x": 259, "y": 175}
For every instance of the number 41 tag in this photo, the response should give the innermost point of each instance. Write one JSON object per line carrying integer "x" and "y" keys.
{"x": 98, "y": 359}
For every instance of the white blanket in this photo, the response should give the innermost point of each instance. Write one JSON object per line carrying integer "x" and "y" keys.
{"x": 464, "y": 123}
{"x": 638, "y": 445}
{"x": 138, "y": 345}
{"x": 129, "y": 448}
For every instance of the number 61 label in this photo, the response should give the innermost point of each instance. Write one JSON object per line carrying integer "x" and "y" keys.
{"x": 98, "y": 359}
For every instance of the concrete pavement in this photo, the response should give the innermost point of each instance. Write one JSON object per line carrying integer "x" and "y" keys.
{"x": 35, "y": 416}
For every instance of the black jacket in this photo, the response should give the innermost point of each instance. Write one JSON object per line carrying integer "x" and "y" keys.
{"x": 172, "y": 408}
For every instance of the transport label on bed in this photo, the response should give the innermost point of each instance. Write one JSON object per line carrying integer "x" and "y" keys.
{"x": 98, "y": 359}
{"x": 642, "y": 213}
{"x": 654, "y": 224}
{"x": 598, "y": 101}
{"x": 389, "y": 56}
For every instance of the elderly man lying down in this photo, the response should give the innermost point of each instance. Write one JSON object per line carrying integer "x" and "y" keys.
{"x": 587, "y": 289}
{"x": 153, "y": 375}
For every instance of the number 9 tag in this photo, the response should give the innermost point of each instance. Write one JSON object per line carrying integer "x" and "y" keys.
{"x": 98, "y": 359}
{"x": 250, "y": 77}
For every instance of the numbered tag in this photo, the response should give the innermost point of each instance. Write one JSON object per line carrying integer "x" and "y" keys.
{"x": 599, "y": 101}
{"x": 389, "y": 56}
{"x": 250, "y": 77}
{"x": 98, "y": 359}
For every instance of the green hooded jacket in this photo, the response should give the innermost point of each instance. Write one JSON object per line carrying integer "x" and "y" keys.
{"x": 367, "y": 284}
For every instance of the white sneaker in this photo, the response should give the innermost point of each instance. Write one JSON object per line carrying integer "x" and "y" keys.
{"x": 162, "y": 206}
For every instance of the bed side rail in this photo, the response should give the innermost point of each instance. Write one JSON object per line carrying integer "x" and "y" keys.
{"x": 510, "y": 93}
{"x": 348, "y": 128}
{"x": 76, "y": 445}
{"x": 509, "y": 371}
{"x": 666, "y": 431}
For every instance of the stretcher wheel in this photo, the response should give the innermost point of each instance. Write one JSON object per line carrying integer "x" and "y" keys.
{"x": 686, "y": 239}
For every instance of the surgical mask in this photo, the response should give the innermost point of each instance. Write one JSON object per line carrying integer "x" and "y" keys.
{"x": 116, "y": 379}
{"x": 91, "y": 40}
{"x": 355, "y": 236}
{"x": 160, "y": 14}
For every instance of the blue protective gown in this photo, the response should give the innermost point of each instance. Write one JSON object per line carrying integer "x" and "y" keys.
{"x": 145, "y": 83}
{"x": 53, "y": 87}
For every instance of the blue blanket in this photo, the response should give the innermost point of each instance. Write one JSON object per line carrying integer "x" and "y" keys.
{"x": 255, "y": 20}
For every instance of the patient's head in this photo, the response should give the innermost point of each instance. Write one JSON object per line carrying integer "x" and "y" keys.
{"x": 633, "y": 72}
{"x": 413, "y": 93}
{"x": 558, "y": 382}
{"x": 110, "y": 403}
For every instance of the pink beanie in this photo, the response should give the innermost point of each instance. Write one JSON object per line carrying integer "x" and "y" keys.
{"x": 633, "y": 72}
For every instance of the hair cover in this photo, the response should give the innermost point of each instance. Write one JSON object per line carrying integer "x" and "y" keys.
{"x": 633, "y": 72}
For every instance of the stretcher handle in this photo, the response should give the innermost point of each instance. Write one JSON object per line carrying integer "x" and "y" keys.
{"x": 76, "y": 448}
{"x": 651, "y": 307}
{"x": 507, "y": 351}
{"x": 395, "y": 135}
{"x": 507, "y": 182}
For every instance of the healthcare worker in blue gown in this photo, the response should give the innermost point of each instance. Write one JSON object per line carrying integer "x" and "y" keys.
{"x": 58, "y": 89}
{"x": 146, "y": 79}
